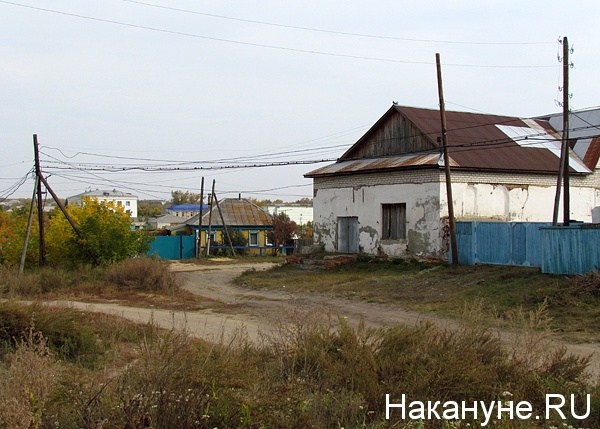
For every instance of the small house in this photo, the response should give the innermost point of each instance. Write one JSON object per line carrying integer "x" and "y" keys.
{"x": 386, "y": 195}
{"x": 238, "y": 214}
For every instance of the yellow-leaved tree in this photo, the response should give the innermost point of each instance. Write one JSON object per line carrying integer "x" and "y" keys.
{"x": 12, "y": 236}
{"x": 106, "y": 235}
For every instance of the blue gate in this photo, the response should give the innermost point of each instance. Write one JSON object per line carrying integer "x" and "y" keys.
{"x": 174, "y": 247}
{"x": 500, "y": 243}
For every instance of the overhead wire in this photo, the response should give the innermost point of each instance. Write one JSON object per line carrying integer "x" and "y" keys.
{"x": 343, "y": 33}
{"x": 11, "y": 190}
{"x": 263, "y": 45}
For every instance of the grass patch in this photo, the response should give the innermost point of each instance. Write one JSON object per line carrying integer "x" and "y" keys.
{"x": 145, "y": 282}
{"x": 312, "y": 372}
{"x": 70, "y": 334}
{"x": 572, "y": 302}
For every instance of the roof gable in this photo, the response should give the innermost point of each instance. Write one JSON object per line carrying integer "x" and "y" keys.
{"x": 236, "y": 212}
{"x": 404, "y": 136}
{"x": 393, "y": 134}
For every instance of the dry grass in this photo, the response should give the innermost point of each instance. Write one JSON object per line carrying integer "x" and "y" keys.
{"x": 145, "y": 282}
{"x": 314, "y": 371}
{"x": 28, "y": 379}
{"x": 572, "y": 302}
{"x": 143, "y": 274}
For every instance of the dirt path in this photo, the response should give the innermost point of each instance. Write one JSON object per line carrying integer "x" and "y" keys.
{"x": 262, "y": 311}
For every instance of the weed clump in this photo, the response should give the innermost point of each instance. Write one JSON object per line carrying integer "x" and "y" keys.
{"x": 143, "y": 274}
{"x": 28, "y": 379}
{"x": 67, "y": 332}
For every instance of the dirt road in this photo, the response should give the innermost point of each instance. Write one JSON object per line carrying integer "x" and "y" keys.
{"x": 257, "y": 312}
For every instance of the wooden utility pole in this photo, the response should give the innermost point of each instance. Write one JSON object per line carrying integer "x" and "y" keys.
{"x": 208, "y": 239}
{"x": 453, "y": 245}
{"x": 563, "y": 168}
{"x": 68, "y": 216}
{"x": 224, "y": 225}
{"x": 40, "y": 204}
{"x": 199, "y": 249}
{"x": 565, "y": 135}
{"x": 28, "y": 230}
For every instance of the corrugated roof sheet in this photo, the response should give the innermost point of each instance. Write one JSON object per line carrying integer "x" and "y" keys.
{"x": 387, "y": 163}
{"x": 236, "y": 212}
{"x": 475, "y": 141}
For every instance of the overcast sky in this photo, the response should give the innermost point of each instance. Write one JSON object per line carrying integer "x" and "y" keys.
{"x": 182, "y": 84}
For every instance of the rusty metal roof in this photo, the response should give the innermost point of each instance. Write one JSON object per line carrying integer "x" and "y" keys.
{"x": 386, "y": 163}
{"x": 479, "y": 141}
{"x": 475, "y": 141}
{"x": 236, "y": 212}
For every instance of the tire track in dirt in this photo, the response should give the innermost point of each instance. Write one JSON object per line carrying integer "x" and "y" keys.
{"x": 257, "y": 313}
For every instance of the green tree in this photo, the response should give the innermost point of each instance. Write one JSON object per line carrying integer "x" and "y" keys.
{"x": 150, "y": 208}
{"x": 187, "y": 197}
{"x": 106, "y": 235}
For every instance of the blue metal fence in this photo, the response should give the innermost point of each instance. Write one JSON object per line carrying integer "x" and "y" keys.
{"x": 570, "y": 250}
{"x": 183, "y": 247}
{"x": 501, "y": 243}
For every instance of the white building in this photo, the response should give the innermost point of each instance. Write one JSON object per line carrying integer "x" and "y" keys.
{"x": 299, "y": 214}
{"x": 387, "y": 193}
{"x": 128, "y": 201}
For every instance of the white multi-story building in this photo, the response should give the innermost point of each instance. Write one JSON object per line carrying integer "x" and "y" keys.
{"x": 128, "y": 201}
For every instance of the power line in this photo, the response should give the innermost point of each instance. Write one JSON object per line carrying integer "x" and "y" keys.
{"x": 262, "y": 45}
{"x": 214, "y": 161}
{"x": 343, "y": 33}
{"x": 14, "y": 188}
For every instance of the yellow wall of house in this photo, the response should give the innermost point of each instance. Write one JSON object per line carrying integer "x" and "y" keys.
{"x": 183, "y": 231}
{"x": 220, "y": 235}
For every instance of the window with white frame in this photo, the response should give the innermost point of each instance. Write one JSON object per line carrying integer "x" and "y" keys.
{"x": 253, "y": 238}
{"x": 213, "y": 237}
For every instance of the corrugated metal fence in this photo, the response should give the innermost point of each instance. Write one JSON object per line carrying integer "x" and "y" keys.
{"x": 570, "y": 250}
{"x": 501, "y": 243}
{"x": 557, "y": 250}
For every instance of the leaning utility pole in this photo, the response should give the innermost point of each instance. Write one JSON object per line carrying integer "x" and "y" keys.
{"x": 208, "y": 239}
{"x": 68, "y": 217}
{"x": 453, "y": 245}
{"x": 40, "y": 204}
{"x": 199, "y": 248}
{"x": 216, "y": 200}
{"x": 28, "y": 230}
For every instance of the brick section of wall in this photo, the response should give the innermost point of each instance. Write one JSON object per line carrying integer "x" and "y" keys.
{"x": 430, "y": 176}
{"x": 376, "y": 179}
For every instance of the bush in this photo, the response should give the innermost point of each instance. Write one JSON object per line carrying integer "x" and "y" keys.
{"x": 27, "y": 383}
{"x": 67, "y": 331}
{"x": 14, "y": 284}
{"x": 143, "y": 274}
